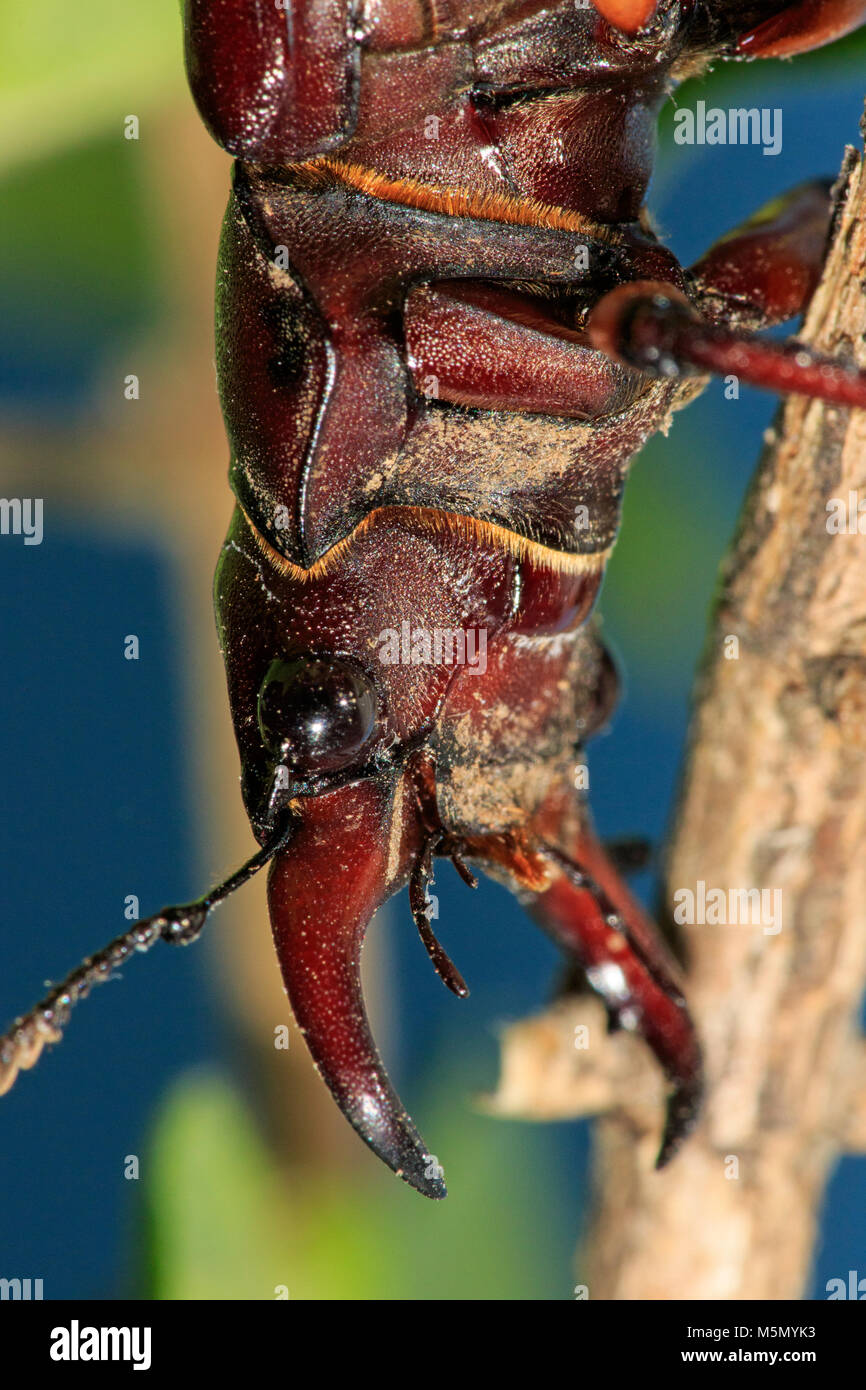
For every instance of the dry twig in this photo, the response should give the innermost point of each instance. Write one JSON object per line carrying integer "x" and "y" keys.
{"x": 774, "y": 798}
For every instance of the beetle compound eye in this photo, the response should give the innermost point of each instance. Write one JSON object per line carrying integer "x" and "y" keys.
{"x": 316, "y": 712}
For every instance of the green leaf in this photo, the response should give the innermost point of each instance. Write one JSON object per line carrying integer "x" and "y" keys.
{"x": 68, "y": 71}
{"x": 219, "y": 1226}
{"x": 223, "y": 1222}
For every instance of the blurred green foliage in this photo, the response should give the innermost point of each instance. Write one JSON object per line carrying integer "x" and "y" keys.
{"x": 67, "y": 70}
{"x": 224, "y": 1223}
{"x": 657, "y": 593}
{"x": 73, "y": 276}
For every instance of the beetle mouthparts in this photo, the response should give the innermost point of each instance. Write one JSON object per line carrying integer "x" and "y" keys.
{"x": 322, "y": 895}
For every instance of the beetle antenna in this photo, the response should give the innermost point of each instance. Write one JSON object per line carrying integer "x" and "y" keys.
{"x": 22, "y": 1045}
{"x": 654, "y": 328}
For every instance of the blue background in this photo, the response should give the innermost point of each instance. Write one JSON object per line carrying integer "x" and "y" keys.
{"x": 98, "y": 800}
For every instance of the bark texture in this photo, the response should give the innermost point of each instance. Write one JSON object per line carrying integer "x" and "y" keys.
{"x": 774, "y": 798}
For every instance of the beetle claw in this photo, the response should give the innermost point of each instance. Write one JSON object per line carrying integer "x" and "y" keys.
{"x": 681, "y": 1116}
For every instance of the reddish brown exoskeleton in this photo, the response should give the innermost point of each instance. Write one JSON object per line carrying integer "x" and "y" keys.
{"x": 444, "y": 328}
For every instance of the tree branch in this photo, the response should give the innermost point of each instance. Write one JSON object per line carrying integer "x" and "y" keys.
{"x": 774, "y": 798}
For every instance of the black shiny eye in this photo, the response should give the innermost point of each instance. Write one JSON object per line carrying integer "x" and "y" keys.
{"x": 316, "y": 712}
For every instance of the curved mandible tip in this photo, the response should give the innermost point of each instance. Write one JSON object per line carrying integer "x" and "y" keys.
{"x": 322, "y": 893}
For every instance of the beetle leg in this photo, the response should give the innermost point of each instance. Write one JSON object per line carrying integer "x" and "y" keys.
{"x": 322, "y": 893}
{"x": 500, "y": 350}
{"x": 582, "y": 903}
{"x": 588, "y": 910}
{"x": 802, "y": 26}
{"x": 654, "y": 327}
{"x": 767, "y": 269}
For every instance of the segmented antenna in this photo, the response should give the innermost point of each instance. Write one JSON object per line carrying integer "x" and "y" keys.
{"x": 22, "y": 1045}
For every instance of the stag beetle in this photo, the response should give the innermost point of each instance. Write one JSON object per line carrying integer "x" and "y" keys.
{"x": 444, "y": 328}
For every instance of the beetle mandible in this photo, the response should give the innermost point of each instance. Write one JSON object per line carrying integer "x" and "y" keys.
{"x": 444, "y": 328}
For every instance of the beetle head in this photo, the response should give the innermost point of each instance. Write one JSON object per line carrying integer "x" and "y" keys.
{"x": 345, "y": 712}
